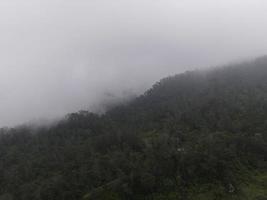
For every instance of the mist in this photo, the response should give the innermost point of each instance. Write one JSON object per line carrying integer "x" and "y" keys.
{"x": 61, "y": 56}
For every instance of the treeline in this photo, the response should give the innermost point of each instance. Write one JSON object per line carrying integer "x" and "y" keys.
{"x": 196, "y": 135}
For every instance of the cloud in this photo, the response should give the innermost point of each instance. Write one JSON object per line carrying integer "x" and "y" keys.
{"x": 60, "y": 56}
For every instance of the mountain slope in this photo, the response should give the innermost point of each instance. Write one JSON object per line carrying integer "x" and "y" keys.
{"x": 196, "y": 135}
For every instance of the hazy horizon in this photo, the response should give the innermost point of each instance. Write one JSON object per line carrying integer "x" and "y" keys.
{"x": 61, "y": 56}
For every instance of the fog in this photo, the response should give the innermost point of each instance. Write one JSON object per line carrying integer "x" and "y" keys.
{"x": 61, "y": 56}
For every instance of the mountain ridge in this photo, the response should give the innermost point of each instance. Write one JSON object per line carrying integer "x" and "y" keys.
{"x": 196, "y": 135}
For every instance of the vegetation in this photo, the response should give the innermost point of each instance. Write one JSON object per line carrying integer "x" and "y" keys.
{"x": 196, "y": 135}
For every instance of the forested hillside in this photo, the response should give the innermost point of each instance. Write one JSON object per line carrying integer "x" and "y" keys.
{"x": 200, "y": 135}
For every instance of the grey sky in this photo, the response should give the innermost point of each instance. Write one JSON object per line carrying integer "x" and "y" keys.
{"x": 60, "y": 56}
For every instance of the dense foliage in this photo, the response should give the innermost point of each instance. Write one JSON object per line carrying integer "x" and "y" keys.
{"x": 196, "y": 135}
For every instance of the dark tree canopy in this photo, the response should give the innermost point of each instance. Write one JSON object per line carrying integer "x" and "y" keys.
{"x": 196, "y": 135}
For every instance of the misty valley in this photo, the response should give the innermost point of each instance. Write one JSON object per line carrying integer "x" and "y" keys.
{"x": 197, "y": 135}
